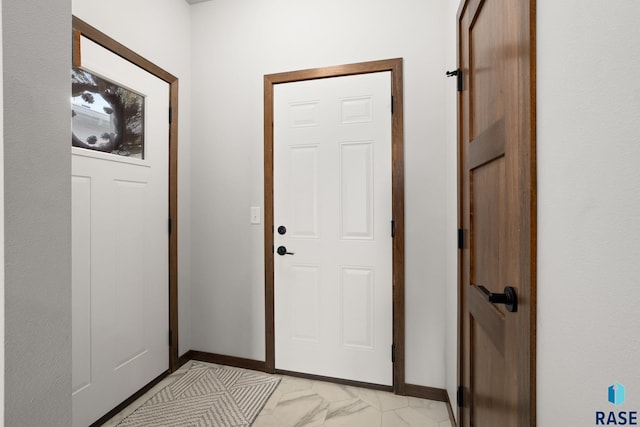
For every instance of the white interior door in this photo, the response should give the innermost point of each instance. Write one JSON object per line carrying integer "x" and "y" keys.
{"x": 120, "y": 253}
{"x": 332, "y": 193}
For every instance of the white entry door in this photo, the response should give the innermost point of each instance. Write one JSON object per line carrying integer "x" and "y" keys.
{"x": 332, "y": 194}
{"x": 120, "y": 246}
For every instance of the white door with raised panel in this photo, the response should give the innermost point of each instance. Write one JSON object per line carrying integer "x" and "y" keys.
{"x": 120, "y": 246}
{"x": 332, "y": 216}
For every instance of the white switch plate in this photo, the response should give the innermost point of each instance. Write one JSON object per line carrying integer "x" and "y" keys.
{"x": 255, "y": 215}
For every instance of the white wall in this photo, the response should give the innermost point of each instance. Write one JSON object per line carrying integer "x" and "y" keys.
{"x": 588, "y": 207}
{"x": 159, "y": 31}
{"x": 233, "y": 45}
{"x": 1, "y": 232}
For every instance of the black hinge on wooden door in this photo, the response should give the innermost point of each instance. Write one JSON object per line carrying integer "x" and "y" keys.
{"x": 393, "y": 353}
{"x": 460, "y": 238}
{"x": 460, "y": 396}
{"x": 392, "y": 104}
{"x": 393, "y": 228}
{"x": 169, "y": 225}
{"x": 458, "y": 74}
{"x": 170, "y": 338}
{"x": 170, "y": 114}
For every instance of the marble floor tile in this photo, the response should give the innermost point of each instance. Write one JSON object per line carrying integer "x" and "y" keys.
{"x": 334, "y": 392}
{"x": 353, "y": 413}
{"x": 301, "y": 409}
{"x": 291, "y": 384}
{"x": 393, "y": 419}
{"x": 414, "y": 418}
{"x": 299, "y": 402}
{"x": 434, "y": 410}
{"x": 266, "y": 421}
{"x": 383, "y": 400}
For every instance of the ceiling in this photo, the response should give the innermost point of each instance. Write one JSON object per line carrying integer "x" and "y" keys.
{"x": 196, "y": 1}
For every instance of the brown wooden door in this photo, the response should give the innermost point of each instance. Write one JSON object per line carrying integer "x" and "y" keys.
{"x": 497, "y": 211}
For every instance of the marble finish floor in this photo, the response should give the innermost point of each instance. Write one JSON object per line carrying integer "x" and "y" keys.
{"x": 300, "y": 402}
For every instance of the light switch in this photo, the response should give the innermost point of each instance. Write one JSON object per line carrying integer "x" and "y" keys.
{"x": 255, "y": 215}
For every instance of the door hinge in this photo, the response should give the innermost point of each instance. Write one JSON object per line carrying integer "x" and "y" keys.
{"x": 169, "y": 225}
{"x": 460, "y": 396}
{"x": 392, "y": 104}
{"x": 393, "y": 353}
{"x": 458, "y": 74}
{"x": 170, "y": 338}
{"x": 393, "y": 228}
{"x": 170, "y": 114}
{"x": 460, "y": 238}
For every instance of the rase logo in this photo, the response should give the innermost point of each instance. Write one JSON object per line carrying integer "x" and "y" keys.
{"x": 616, "y": 396}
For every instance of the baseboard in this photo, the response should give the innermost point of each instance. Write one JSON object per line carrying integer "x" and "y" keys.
{"x": 185, "y": 358}
{"x": 423, "y": 392}
{"x": 237, "y": 362}
{"x": 431, "y": 393}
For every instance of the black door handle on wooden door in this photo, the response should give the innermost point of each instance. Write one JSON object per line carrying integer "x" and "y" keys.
{"x": 508, "y": 298}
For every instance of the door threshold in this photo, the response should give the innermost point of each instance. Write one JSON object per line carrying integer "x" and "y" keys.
{"x": 341, "y": 381}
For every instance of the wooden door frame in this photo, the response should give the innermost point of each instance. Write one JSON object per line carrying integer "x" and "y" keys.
{"x": 397, "y": 142}
{"x": 81, "y": 28}
{"x": 527, "y": 258}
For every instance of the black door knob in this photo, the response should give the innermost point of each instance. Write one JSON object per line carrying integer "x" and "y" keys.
{"x": 282, "y": 229}
{"x": 283, "y": 251}
{"x": 508, "y": 298}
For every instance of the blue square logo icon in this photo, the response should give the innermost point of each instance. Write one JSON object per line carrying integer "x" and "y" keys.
{"x": 616, "y": 394}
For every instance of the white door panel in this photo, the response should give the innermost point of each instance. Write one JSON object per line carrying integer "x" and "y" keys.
{"x": 332, "y": 192}
{"x": 120, "y": 253}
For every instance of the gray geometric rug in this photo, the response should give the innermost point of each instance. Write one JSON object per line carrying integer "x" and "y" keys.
{"x": 206, "y": 396}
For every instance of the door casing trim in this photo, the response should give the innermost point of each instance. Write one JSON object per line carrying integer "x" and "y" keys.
{"x": 81, "y": 28}
{"x": 397, "y": 143}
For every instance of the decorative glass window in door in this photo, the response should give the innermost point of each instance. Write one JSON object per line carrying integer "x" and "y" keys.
{"x": 105, "y": 116}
